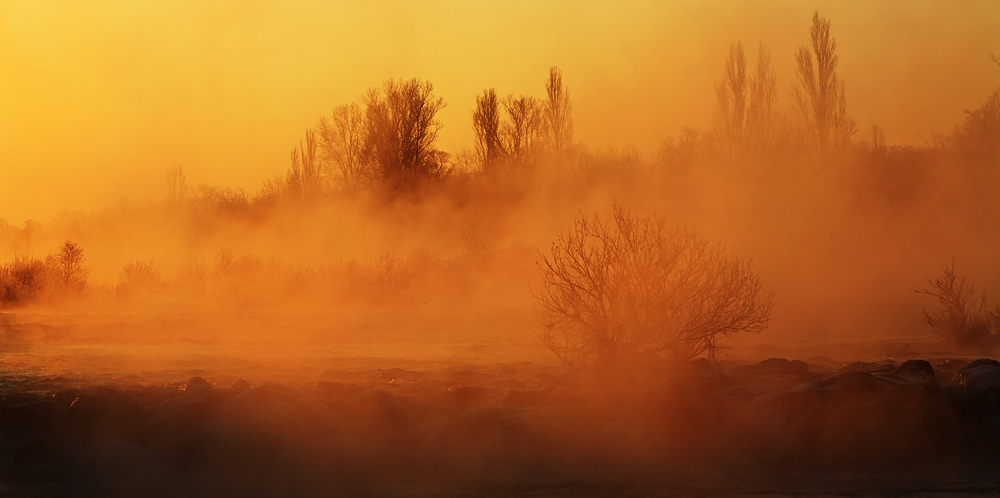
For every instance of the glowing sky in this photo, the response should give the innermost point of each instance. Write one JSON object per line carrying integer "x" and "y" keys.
{"x": 100, "y": 98}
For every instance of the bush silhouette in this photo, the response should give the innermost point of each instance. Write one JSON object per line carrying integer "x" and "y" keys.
{"x": 962, "y": 317}
{"x": 23, "y": 280}
{"x": 631, "y": 290}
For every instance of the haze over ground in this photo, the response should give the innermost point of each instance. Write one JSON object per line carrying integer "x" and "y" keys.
{"x": 238, "y": 256}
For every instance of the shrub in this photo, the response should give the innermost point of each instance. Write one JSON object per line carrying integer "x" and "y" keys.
{"x": 632, "y": 290}
{"x": 138, "y": 276}
{"x": 962, "y": 317}
{"x": 23, "y": 280}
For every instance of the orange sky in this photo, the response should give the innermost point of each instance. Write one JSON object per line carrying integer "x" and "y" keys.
{"x": 100, "y": 98}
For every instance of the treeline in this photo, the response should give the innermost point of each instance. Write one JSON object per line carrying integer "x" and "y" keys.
{"x": 383, "y": 150}
{"x": 55, "y": 277}
{"x": 387, "y": 141}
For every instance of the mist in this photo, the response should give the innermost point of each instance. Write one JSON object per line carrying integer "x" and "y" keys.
{"x": 465, "y": 249}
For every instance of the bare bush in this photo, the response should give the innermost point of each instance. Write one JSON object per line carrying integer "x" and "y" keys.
{"x": 632, "y": 290}
{"x": 138, "y": 277}
{"x": 962, "y": 317}
{"x": 23, "y": 280}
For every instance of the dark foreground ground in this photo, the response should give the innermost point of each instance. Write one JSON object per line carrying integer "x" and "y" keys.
{"x": 901, "y": 426}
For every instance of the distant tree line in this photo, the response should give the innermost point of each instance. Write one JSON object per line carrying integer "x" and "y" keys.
{"x": 387, "y": 141}
{"x": 25, "y": 280}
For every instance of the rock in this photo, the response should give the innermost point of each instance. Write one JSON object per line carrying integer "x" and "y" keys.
{"x": 184, "y": 409}
{"x": 778, "y": 366}
{"x": 103, "y": 414}
{"x": 386, "y": 416}
{"x": 240, "y": 386}
{"x": 848, "y": 419}
{"x": 197, "y": 385}
{"x": 275, "y": 413}
{"x": 974, "y": 396}
{"x": 946, "y": 369}
{"x": 885, "y": 368}
{"x": 694, "y": 384}
{"x": 858, "y": 366}
{"x": 338, "y": 390}
{"x": 980, "y": 374}
{"x": 468, "y": 395}
{"x": 919, "y": 372}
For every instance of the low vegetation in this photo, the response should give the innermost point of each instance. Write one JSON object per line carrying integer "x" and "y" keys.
{"x": 57, "y": 276}
{"x": 962, "y": 317}
{"x": 631, "y": 290}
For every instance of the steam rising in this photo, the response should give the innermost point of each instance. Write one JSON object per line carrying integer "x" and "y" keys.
{"x": 204, "y": 200}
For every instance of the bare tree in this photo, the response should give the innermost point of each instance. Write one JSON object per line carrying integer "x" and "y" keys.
{"x": 822, "y": 98}
{"x": 486, "y": 125}
{"x": 732, "y": 98}
{"x": 69, "y": 265}
{"x": 522, "y": 131}
{"x": 558, "y": 113}
{"x": 343, "y": 143}
{"x": 746, "y": 119}
{"x": 962, "y": 318}
{"x": 761, "y": 116}
{"x": 629, "y": 290}
{"x": 305, "y": 176}
{"x": 979, "y": 133}
{"x": 176, "y": 185}
{"x": 402, "y": 129}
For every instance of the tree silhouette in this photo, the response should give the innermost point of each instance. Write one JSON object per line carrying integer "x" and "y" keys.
{"x": 522, "y": 131}
{"x": 761, "y": 116}
{"x": 822, "y": 98}
{"x": 630, "y": 290}
{"x": 305, "y": 177}
{"x": 402, "y": 129}
{"x": 732, "y": 98}
{"x": 69, "y": 265}
{"x": 558, "y": 113}
{"x": 746, "y": 119}
{"x": 343, "y": 143}
{"x": 176, "y": 185}
{"x": 486, "y": 126}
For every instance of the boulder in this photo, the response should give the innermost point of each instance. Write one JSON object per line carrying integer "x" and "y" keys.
{"x": 197, "y": 385}
{"x": 919, "y": 373}
{"x": 778, "y": 366}
{"x": 853, "y": 418}
{"x": 274, "y": 413}
{"x": 974, "y": 396}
